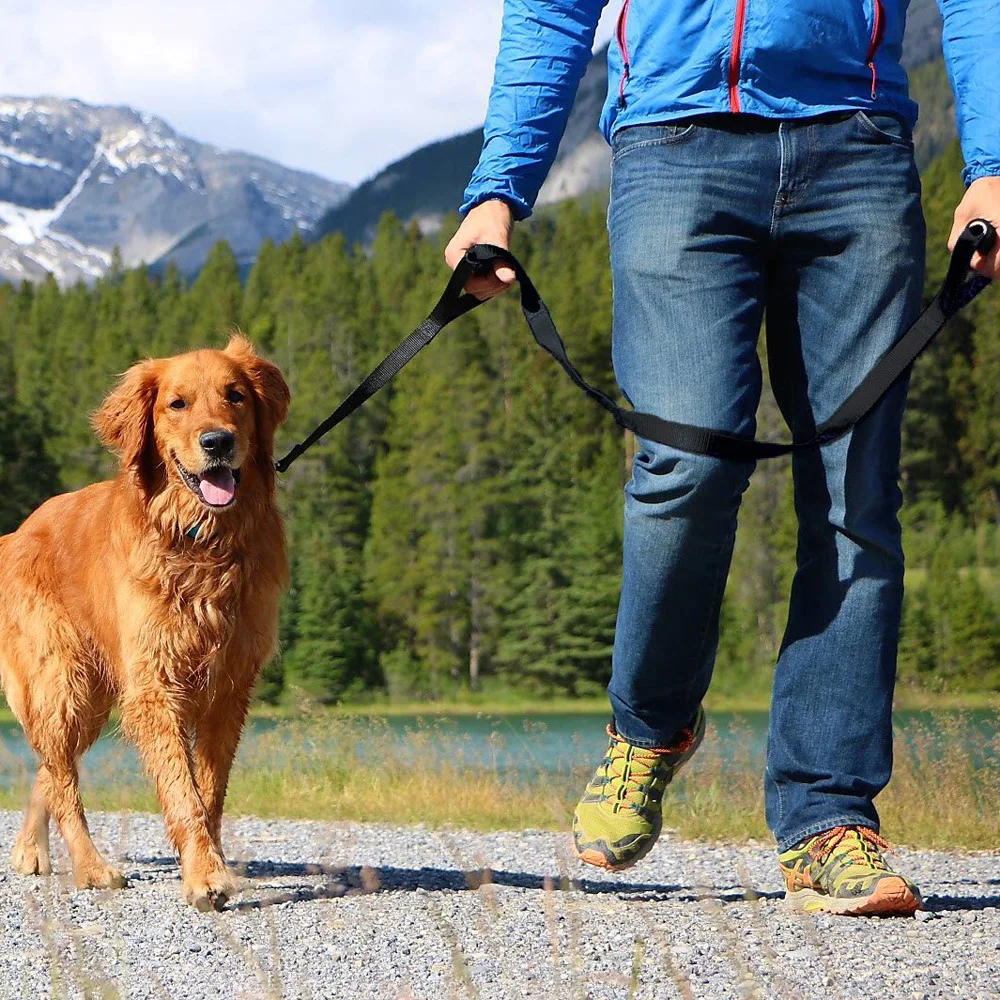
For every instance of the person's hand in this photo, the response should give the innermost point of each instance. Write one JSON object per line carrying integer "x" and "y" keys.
{"x": 981, "y": 201}
{"x": 490, "y": 222}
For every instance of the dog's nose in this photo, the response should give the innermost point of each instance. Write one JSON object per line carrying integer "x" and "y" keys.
{"x": 218, "y": 444}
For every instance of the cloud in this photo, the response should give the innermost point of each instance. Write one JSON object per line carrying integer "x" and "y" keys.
{"x": 339, "y": 88}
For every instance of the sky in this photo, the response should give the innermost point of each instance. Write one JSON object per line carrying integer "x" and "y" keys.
{"x": 340, "y": 88}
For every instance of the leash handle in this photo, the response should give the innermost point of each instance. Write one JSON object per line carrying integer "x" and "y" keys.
{"x": 985, "y": 234}
{"x": 960, "y": 287}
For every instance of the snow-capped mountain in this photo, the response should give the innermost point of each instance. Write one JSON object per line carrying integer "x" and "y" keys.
{"x": 77, "y": 181}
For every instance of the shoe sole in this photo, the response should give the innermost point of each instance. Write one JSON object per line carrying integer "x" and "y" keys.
{"x": 895, "y": 901}
{"x": 592, "y": 856}
{"x": 599, "y": 860}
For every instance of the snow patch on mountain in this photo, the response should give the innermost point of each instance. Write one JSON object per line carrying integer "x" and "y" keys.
{"x": 28, "y": 225}
{"x": 78, "y": 181}
{"x": 9, "y": 153}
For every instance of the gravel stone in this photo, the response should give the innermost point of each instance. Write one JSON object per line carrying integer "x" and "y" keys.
{"x": 331, "y": 910}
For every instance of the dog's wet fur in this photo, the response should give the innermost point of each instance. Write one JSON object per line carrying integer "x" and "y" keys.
{"x": 156, "y": 592}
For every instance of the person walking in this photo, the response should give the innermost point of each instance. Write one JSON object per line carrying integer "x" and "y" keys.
{"x": 762, "y": 165}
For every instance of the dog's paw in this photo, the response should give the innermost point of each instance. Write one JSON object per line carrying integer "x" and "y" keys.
{"x": 99, "y": 876}
{"x": 28, "y": 858}
{"x": 211, "y": 892}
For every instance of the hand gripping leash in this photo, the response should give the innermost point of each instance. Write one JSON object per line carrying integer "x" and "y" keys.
{"x": 959, "y": 288}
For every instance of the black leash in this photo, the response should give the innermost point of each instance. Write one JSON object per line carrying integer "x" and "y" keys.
{"x": 959, "y": 288}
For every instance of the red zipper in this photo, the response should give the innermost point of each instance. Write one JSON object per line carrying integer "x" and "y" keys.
{"x": 623, "y": 48}
{"x": 734, "y": 56}
{"x": 878, "y": 30}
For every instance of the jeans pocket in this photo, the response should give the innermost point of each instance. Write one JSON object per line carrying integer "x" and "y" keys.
{"x": 632, "y": 137}
{"x": 884, "y": 128}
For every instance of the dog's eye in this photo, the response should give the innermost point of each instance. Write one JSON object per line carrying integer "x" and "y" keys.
{"x": 235, "y": 396}
{"x": 177, "y": 404}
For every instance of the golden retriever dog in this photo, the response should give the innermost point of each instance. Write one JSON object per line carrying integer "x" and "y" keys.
{"x": 157, "y": 592}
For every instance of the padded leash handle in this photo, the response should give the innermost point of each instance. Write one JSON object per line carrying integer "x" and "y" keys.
{"x": 958, "y": 289}
{"x": 960, "y": 286}
{"x": 986, "y": 233}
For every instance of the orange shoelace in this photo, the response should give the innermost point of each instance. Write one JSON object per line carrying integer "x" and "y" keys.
{"x": 685, "y": 738}
{"x": 861, "y": 851}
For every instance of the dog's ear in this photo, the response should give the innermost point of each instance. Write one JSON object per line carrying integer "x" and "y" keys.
{"x": 269, "y": 387}
{"x": 124, "y": 423}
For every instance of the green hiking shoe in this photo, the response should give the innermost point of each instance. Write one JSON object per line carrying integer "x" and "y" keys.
{"x": 843, "y": 871}
{"x": 620, "y": 815}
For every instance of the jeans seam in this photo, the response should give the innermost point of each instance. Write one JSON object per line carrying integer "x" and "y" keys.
{"x": 781, "y": 180}
{"x": 716, "y": 596}
{"x": 809, "y": 142}
{"x": 777, "y": 790}
{"x": 828, "y": 824}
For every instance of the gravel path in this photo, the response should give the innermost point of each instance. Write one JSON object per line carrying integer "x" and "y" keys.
{"x": 348, "y": 910}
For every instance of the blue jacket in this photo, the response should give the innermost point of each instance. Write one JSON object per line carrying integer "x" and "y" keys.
{"x": 675, "y": 58}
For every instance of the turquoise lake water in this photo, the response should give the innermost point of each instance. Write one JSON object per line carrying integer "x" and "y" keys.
{"x": 555, "y": 742}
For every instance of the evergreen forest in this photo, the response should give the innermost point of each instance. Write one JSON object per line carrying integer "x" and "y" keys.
{"x": 463, "y": 531}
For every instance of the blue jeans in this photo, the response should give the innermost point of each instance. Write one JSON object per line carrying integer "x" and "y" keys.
{"x": 818, "y": 224}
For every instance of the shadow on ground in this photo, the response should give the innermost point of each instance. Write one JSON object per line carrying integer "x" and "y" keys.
{"x": 957, "y": 897}
{"x": 328, "y": 882}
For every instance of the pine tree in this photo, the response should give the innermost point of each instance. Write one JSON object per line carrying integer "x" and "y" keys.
{"x": 214, "y": 300}
{"x": 433, "y": 547}
{"x": 28, "y": 476}
{"x": 335, "y": 652}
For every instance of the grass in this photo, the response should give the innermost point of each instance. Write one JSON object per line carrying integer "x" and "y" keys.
{"x": 757, "y": 700}
{"x": 309, "y": 768}
{"x": 468, "y": 704}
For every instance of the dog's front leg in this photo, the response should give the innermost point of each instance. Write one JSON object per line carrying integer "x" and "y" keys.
{"x": 154, "y": 721}
{"x": 217, "y": 734}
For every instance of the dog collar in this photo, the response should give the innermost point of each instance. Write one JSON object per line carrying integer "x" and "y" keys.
{"x": 192, "y": 532}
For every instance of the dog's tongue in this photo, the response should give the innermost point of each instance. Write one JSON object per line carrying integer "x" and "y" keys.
{"x": 218, "y": 487}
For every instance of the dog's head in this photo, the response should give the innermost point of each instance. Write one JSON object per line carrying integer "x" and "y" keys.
{"x": 204, "y": 419}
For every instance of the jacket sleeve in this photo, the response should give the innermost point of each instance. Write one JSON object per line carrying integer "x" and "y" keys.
{"x": 545, "y": 46}
{"x": 971, "y": 48}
